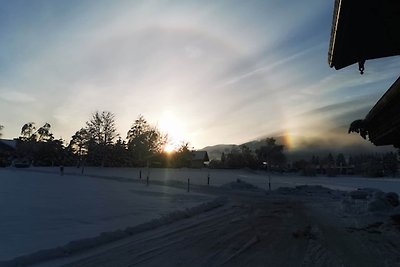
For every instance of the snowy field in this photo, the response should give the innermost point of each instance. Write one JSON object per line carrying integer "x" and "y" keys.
{"x": 42, "y": 209}
{"x": 45, "y": 210}
{"x": 219, "y": 177}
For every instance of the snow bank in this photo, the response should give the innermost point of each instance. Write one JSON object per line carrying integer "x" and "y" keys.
{"x": 107, "y": 237}
{"x": 239, "y": 185}
{"x": 370, "y": 200}
{"x": 310, "y": 190}
{"x": 363, "y": 201}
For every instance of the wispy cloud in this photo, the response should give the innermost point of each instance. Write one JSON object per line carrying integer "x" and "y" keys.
{"x": 16, "y": 97}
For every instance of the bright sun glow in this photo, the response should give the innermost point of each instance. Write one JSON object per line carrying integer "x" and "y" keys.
{"x": 170, "y": 125}
{"x": 169, "y": 148}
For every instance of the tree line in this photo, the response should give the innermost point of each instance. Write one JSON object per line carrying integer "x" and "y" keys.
{"x": 97, "y": 143}
{"x": 270, "y": 156}
{"x": 370, "y": 165}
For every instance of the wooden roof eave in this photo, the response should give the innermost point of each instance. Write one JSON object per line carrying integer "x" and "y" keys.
{"x": 363, "y": 30}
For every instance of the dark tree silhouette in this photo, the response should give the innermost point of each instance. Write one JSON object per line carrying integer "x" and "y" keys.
{"x": 101, "y": 127}
{"x": 249, "y": 157}
{"x": 78, "y": 146}
{"x": 102, "y": 131}
{"x": 234, "y": 159}
{"x": 28, "y": 131}
{"x": 341, "y": 160}
{"x": 119, "y": 154}
{"x": 79, "y": 142}
{"x": 271, "y": 154}
{"x": 144, "y": 141}
{"x": 43, "y": 133}
{"x": 39, "y": 146}
{"x": 183, "y": 156}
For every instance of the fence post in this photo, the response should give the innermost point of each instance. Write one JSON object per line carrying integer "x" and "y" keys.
{"x": 188, "y": 186}
{"x": 140, "y": 174}
{"x": 208, "y": 179}
{"x": 269, "y": 182}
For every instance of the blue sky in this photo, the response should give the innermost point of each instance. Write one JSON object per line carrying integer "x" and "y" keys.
{"x": 207, "y": 72}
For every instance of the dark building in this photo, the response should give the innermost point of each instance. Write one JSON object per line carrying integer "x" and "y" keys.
{"x": 7, "y": 151}
{"x": 364, "y": 30}
{"x": 199, "y": 159}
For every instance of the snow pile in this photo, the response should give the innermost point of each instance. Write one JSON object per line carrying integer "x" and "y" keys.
{"x": 360, "y": 201}
{"x": 370, "y": 200}
{"x": 239, "y": 185}
{"x": 310, "y": 190}
{"x": 107, "y": 237}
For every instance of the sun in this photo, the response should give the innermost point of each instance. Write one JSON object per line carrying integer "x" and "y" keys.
{"x": 169, "y": 148}
{"x": 170, "y": 125}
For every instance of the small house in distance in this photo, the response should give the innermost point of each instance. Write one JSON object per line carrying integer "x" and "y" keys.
{"x": 7, "y": 150}
{"x": 199, "y": 159}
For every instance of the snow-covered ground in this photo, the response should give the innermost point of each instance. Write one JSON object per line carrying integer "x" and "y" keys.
{"x": 219, "y": 177}
{"x": 45, "y": 210}
{"x": 42, "y": 209}
{"x": 302, "y": 226}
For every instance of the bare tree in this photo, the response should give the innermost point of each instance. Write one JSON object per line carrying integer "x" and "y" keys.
{"x": 102, "y": 132}
{"x": 101, "y": 127}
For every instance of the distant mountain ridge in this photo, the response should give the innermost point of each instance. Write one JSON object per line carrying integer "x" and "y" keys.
{"x": 215, "y": 152}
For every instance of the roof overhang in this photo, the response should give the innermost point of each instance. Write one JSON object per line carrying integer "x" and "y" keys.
{"x": 362, "y": 30}
{"x": 383, "y": 121}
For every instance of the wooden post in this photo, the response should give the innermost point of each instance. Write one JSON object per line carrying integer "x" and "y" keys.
{"x": 269, "y": 183}
{"x": 188, "y": 187}
{"x": 148, "y": 171}
{"x": 208, "y": 179}
{"x": 147, "y": 180}
{"x": 140, "y": 174}
{"x": 83, "y": 166}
